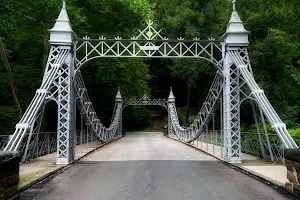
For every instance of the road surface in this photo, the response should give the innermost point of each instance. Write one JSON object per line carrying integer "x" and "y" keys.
{"x": 148, "y": 166}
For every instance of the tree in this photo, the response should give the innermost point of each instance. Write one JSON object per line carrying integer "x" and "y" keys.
{"x": 191, "y": 19}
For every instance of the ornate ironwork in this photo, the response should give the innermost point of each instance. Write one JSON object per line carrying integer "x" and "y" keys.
{"x": 208, "y": 108}
{"x": 258, "y": 94}
{"x": 146, "y": 101}
{"x": 149, "y": 42}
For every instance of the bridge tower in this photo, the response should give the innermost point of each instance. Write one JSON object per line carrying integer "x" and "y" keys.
{"x": 61, "y": 40}
{"x": 119, "y": 100}
{"x": 235, "y": 39}
{"x": 171, "y": 103}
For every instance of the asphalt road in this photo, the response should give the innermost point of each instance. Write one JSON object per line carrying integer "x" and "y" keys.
{"x": 117, "y": 176}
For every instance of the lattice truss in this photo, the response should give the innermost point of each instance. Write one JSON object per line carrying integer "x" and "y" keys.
{"x": 197, "y": 127}
{"x": 149, "y": 42}
{"x": 57, "y": 85}
{"x": 30, "y": 123}
{"x": 90, "y": 116}
{"x": 145, "y": 100}
{"x": 242, "y": 87}
{"x": 250, "y": 90}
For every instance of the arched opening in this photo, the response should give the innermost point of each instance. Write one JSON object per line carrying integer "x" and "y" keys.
{"x": 259, "y": 140}
{"x": 150, "y": 118}
{"x": 199, "y": 91}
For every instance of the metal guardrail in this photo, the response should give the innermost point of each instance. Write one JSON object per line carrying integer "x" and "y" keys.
{"x": 250, "y": 143}
{"x": 46, "y": 142}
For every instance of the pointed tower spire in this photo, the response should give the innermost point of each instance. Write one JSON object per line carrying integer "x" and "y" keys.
{"x": 118, "y": 96}
{"x": 234, "y": 5}
{"x": 62, "y": 33}
{"x": 236, "y": 34}
{"x": 171, "y": 96}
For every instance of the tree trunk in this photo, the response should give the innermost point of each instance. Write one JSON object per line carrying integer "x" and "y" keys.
{"x": 188, "y": 101}
{"x": 11, "y": 79}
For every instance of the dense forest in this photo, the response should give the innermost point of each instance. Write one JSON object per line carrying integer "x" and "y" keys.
{"x": 274, "y": 51}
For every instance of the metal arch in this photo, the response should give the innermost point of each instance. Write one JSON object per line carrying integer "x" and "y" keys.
{"x": 146, "y": 101}
{"x": 259, "y": 118}
{"x": 149, "y": 42}
{"x": 218, "y": 66}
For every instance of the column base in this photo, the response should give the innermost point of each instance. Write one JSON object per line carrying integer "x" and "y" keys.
{"x": 63, "y": 161}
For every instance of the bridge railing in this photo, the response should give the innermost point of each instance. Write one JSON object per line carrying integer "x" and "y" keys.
{"x": 46, "y": 143}
{"x": 213, "y": 143}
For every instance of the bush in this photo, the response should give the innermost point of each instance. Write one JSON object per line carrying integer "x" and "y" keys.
{"x": 8, "y": 118}
{"x": 137, "y": 117}
{"x": 295, "y": 133}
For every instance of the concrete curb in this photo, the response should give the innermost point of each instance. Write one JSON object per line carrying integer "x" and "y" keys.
{"x": 271, "y": 183}
{"x": 49, "y": 174}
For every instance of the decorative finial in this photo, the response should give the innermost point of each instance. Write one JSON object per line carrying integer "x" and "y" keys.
{"x": 118, "y": 96}
{"x": 171, "y": 97}
{"x": 234, "y": 5}
{"x": 64, "y": 4}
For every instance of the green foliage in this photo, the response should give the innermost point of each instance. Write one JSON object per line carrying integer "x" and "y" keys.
{"x": 24, "y": 26}
{"x": 274, "y": 50}
{"x": 295, "y": 133}
{"x": 8, "y": 120}
{"x": 191, "y": 19}
{"x": 137, "y": 118}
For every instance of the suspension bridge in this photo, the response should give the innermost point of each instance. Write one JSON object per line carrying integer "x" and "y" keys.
{"x": 233, "y": 85}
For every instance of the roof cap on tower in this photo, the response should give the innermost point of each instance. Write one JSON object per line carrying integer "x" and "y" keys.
{"x": 118, "y": 96}
{"x": 63, "y": 22}
{"x": 235, "y": 25}
{"x": 62, "y": 33}
{"x": 171, "y": 95}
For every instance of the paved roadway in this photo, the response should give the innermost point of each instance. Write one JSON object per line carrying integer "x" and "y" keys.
{"x": 148, "y": 166}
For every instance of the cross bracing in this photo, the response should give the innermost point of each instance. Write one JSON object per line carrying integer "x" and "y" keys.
{"x": 145, "y": 100}
{"x": 234, "y": 83}
{"x": 209, "y": 50}
{"x": 148, "y": 42}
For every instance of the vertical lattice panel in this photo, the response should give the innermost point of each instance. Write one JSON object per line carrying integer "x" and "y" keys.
{"x": 65, "y": 131}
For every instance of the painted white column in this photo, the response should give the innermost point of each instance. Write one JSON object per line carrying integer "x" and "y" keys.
{"x": 61, "y": 36}
{"x": 236, "y": 37}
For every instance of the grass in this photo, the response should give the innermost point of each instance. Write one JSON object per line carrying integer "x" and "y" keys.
{"x": 27, "y": 177}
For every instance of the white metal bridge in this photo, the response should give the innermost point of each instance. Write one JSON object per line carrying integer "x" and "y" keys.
{"x": 233, "y": 84}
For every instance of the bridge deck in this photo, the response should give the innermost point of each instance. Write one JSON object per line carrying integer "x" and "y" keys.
{"x": 147, "y": 146}
{"x": 150, "y": 166}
